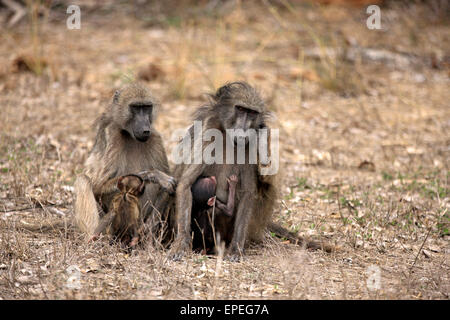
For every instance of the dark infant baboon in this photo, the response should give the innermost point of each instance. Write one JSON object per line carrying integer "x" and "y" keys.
{"x": 126, "y": 143}
{"x": 206, "y": 207}
{"x": 204, "y": 192}
{"x": 236, "y": 108}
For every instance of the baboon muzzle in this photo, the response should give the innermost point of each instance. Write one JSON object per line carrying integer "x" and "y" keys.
{"x": 142, "y": 136}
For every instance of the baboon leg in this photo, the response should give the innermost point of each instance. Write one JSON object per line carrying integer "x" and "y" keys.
{"x": 246, "y": 205}
{"x": 104, "y": 222}
{"x": 184, "y": 209}
{"x": 154, "y": 214}
{"x": 86, "y": 208}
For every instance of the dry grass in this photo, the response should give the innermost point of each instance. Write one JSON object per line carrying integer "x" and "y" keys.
{"x": 365, "y": 147}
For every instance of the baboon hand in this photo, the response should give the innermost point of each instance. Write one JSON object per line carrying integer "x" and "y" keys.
{"x": 211, "y": 201}
{"x": 167, "y": 182}
{"x": 232, "y": 180}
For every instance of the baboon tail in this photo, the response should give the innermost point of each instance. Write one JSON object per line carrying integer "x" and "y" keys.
{"x": 295, "y": 238}
{"x": 86, "y": 210}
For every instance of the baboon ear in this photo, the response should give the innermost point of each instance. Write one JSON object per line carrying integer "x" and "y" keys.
{"x": 141, "y": 188}
{"x": 222, "y": 91}
{"x": 120, "y": 185}
{"x": 116, "y": 96}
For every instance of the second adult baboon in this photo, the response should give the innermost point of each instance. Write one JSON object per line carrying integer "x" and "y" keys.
{"x": 236, "y": 108}
{"x": 126, "y": 143}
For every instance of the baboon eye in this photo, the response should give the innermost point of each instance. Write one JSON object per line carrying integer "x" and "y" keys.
{"x": 244, "y": 109}
{"x": 241, "y": 108}
{"x": 138, "y": 107}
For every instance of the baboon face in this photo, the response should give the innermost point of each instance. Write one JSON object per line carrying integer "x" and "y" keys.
{"x": 141, "y": 120}
{"x": 241, "y": 108}
{"x": 135, "y": 110}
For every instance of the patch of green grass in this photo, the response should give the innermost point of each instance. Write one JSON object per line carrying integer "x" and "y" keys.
{"x": 393, "y": 223}
{"x": 431, "y": 190}
{"x": 201, "y": 259}
{"x": 290, "y": 195}
{"x": 302, "y": 184}
{"x": 174, "y": 21}
{"x": 329, "y": 193}
{"x": 443, "y": 225}
{"x": 352, "y": 203}
{"x": 387, "y": 176}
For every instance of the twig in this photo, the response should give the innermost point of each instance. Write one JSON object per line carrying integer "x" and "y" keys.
{"x": 18, "y": 9}
{"x": 421, "y": 247}
{"x": 40, "y": 206}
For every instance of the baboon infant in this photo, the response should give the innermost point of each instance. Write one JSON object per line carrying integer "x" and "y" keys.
{"x": 204, "y": 192}
{"x": 122, "y": 220}
{"x": 203, "y": 221}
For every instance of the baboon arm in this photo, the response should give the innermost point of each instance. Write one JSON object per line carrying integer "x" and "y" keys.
{"x": 223, "y": 207}
{"x": 107, "y": 188}
{"x": 244, "y": 211}
{"x": 231, "y": 198}
{"x": 228, "y": 208}
{"x": 265, "y": 165}
{"x": 184, "y": 202}
{"x": 156, "y": 176}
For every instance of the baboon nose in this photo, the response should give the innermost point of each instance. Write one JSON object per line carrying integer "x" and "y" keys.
{"x": 143, "y": 135}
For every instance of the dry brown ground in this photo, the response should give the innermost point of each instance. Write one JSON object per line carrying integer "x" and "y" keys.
{"x": 364, "y": 147}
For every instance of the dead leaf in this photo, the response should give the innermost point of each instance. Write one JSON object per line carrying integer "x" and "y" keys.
{"x": 335, "y": 215}
{"x": 434, "y": 248}
{"x": 151, "y": 72}
{"x": 26, "y": 63}
{"x": 367, "y": 165}
{"x": 427, "y": 253}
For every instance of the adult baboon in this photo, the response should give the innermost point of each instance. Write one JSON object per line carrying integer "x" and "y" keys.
{"x": 126, "y": 143}
{"x": 235, "y": 109}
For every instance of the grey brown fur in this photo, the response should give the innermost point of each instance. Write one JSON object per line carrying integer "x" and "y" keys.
{"x": 236, "y": 105}
{"x": 126, "y": 143}
{"x": 255, "y": 194}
